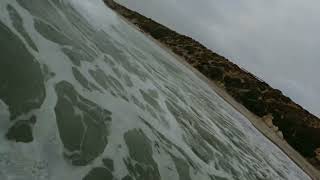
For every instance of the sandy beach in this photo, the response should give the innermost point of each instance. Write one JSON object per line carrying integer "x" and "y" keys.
{"x": 256, "y": 121}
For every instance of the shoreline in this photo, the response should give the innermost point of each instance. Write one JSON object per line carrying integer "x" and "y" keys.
{"x": 255, "y": 120}
{"x": 252, "y": 118}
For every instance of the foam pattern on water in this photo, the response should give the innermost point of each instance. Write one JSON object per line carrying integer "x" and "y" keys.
{"x": 110, "y": 104}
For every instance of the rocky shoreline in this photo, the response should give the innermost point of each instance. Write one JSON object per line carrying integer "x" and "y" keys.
{"x": 289, "y": 120}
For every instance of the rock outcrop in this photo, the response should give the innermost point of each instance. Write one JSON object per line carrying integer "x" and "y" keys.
{"x": 280, "y": 134}
{"x": 275, "y": 128}
{"x": 296, "y": 125}
{"x": 268, "y": 120}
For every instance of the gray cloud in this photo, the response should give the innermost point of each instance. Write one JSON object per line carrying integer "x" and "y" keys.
{"x": 277, "y": 40}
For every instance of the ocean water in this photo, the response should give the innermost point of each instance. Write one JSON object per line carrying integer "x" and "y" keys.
{"x": 274, "y": 40}
{"x": 85, "y": 96}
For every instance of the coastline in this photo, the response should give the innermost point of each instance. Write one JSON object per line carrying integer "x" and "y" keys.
{"x": 255, "y": 120}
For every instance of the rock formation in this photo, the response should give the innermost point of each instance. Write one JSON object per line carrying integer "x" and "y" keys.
{"x": 268, "y": 120}
{"x": 280, "y": 134}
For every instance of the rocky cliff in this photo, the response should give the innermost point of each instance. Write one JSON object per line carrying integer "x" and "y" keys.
{"x": 300, "y": 128}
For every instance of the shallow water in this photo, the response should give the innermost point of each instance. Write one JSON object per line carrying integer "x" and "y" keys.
{"x": 86, "y": 96}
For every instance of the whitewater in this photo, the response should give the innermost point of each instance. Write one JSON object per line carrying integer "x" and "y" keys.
{"x": 102, "y": 101}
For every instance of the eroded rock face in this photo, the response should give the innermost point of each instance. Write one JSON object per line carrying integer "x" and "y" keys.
{"x": 268, "y": 120}
{"x": 23, "y": 91}
{"x": 83, "y": 125}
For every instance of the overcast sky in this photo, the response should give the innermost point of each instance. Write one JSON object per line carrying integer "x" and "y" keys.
{"x": 277, "y": 40}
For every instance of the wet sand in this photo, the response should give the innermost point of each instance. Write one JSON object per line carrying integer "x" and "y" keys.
{"x": 256, "y": 121}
